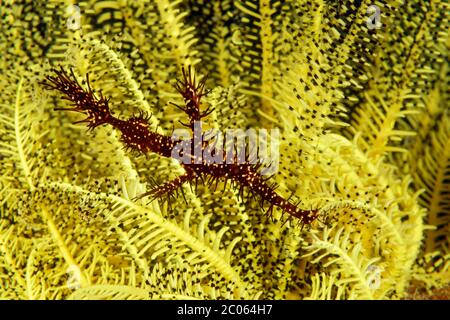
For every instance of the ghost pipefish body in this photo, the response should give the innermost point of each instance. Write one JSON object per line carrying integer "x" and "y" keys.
{"x": 136, "y": 135}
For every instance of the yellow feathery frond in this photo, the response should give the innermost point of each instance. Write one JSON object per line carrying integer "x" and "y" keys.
{"x": 332, "y": 250}
{"x": 109, "y": 292}
{"x": 324, "y": 287}
{"x": 433, "y": 175}
{"x": 354, "y": 92}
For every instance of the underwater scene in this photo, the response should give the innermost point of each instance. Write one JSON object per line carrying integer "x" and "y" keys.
{"x": 225, "y": 149}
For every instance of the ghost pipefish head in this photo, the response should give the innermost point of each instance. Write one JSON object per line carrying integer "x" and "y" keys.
{"x": 84, "y": 100}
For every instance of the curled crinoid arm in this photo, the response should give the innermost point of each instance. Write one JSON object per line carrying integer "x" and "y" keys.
{"x": 84, "y": 101}
{"x": 192, "y": 92}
